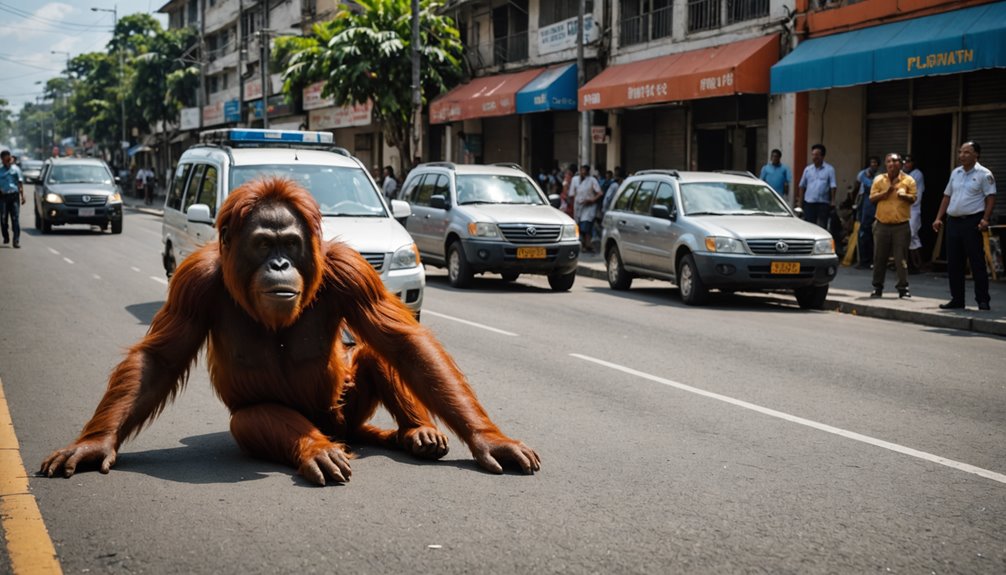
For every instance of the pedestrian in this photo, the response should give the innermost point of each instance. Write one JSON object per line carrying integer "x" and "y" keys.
{"x": 145, "y": 183}
{"x": 967, "y": 204}
{"x": 817, "y": 188}
{"x": 390, "y": 184}
{"x": 776, "y": 174}
{"x": 915, "y": 248}
{"x": 567, "y": 193}
{"x": 12, "y": 190}
{"x": 866, "y": 211}
{"x": 893, "y": 194}
{"x": 587, "y": 194}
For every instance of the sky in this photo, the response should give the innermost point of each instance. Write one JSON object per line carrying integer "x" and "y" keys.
{"x": 33, "y": 29}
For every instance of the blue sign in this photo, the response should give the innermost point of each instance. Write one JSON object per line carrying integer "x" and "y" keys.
{"x": 553, "y": 89}
{"x": 232, "y": 110}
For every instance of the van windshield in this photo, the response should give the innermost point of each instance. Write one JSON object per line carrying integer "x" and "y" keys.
{"x": 340, "y": 191}
{"x": 492, "y": 189}
{"x": 727, "y": 198}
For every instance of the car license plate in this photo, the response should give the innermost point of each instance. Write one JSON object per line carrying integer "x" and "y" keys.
{"x": 85, "y": 212}
{"x": 785, "y": 267}
{"x": 530, "y": 253}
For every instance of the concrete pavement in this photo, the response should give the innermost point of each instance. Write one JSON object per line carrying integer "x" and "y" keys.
{"x": 849, "y": 293}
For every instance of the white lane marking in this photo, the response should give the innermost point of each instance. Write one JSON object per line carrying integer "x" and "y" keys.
{"x": 135, "y": 269}
{"x": 471, "y": 323}
{"x": 159, "y": 280}
{"x": 67, "y": 260}
{"x": 966, "y": 467}
{"x": 53, "y": 251}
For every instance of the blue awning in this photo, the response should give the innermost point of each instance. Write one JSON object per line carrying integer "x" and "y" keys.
{"x": 138, "y": 148}
{"x": 948, "y": 43}
{"x": 553, "y": 89}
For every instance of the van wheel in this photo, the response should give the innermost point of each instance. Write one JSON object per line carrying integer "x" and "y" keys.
{"x": 618, "y": 277}
{"x": 459, "y": 273}
{"x": 693, "y": 289}
{"x": 812, "y": 297}
{"x": 169, "y": 261}
{"x": 561, "y": 282}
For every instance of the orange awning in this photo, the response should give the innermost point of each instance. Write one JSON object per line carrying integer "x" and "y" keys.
{"x": 735, "y": 68}
{"x": 482, "y": 97}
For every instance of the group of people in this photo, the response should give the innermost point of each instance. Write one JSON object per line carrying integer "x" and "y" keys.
{"x": 888, "y": 207}
{"x": 584, "y": 197}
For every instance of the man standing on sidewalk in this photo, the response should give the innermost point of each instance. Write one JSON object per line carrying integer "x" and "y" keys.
{"x": 967, "y": 203}
{"x": 893, "y": 194}
{"x": 10, "y": 189}
{"x": 817, "y": 189}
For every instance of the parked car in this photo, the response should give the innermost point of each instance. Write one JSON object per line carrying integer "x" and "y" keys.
{"x": 353, "y": 208}
{"x": 713, "y": 230}
{"x": 77, "y": 191}
{"x": 31, "y": 170}
{"x": 475, "y": 219}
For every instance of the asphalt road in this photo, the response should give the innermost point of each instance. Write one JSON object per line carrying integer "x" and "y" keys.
{"x": 746, "y": 437}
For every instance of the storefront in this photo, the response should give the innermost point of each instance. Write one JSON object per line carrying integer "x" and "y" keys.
{"x": 923, "y": 86}
{"x": 700, "y": 109}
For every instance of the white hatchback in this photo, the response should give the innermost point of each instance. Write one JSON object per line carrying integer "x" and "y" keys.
{"x": 354, "y": 210}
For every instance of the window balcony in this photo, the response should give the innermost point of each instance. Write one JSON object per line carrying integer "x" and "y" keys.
{"x": 645, "y": 27}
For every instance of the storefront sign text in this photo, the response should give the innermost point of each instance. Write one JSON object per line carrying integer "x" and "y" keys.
{"x": 647, "y": 91}
{"x": 940, "y": 59}
{"x": 562, "y": 35}
{"x": 716, "y": 82}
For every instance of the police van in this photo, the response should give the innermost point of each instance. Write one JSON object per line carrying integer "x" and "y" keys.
{"x": 353, "y": 208}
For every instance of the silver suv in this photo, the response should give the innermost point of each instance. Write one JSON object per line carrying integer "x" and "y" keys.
{"x": 77, "y": 191}
{"x": 714, "y": 230}
{"x": 353, "y": 208}
{"x": 489, "y": 218}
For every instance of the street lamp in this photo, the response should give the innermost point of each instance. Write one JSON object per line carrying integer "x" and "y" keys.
{"x": 122, "y": 73}
{"x": 65, "y": 103}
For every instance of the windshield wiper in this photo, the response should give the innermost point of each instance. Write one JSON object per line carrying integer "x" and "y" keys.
{"x": 759, "y": 213}
{"x": 706, "y": 214}
{"x": 473, "y": 202}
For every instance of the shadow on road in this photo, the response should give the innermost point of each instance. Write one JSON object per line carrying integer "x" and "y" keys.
{"x": 204, "y": 459}
{"x": 144, "y": 312}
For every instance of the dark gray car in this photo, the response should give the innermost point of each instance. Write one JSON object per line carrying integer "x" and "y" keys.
{"x": 77, "y": 191}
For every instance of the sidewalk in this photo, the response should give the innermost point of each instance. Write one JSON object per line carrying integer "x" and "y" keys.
{"x": 850, "y": 293}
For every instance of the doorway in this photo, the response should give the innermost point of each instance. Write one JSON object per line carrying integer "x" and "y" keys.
{"x": 713, "y": 152}
{"x": 932, "y": 149}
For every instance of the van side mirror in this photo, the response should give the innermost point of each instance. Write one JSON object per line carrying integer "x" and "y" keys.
{"x": 400, "y": 210}
{"x": 439, "y": 201}
{"x": 199, "y": 214}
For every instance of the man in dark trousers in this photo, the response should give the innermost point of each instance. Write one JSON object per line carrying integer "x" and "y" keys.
{"x": 12, "y": 194}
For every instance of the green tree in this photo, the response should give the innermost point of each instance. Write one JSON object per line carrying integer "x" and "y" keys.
{"x": 365, "y": 53}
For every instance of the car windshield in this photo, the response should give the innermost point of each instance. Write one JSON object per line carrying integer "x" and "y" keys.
{"x": 729, "y": 198}
{"x": 79, "y": 174}
{"x": 497, "y": 189}
{"x": 340, "y": 191}
{"x": 31, "y": 165}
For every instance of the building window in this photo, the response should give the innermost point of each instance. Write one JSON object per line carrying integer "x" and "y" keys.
{"x": 709, "y": 14}
{"x": 193, "y": 17}
{"x": 510, "y": 39}
{"x": 644, "y": 20}
{"x": 741, "y": 10}
{"x": 552, "y": 11}
{"x": 703, "y": 15}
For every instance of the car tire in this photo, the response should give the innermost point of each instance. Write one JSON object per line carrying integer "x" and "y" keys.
{"x": 169, "y": 261}
{"x": 38, "y": 220}
{"x": 693, "y": 289}
{"x": 561, "y": 282}
{"x": 46, "y": 226}
{"x": 812, "y": 297}
{"x": 510, "y": 276}
{"x": 459, "y": 273}
{"x": 117, "y": 227}
{"x": 618, "y": 277}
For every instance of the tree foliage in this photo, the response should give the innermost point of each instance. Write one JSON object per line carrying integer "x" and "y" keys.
{"x": 365, "y": 53}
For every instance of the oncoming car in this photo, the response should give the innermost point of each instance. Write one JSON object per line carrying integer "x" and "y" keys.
{"x": 77, "y": 191}
{"x": 353, "y": 208}
{"x": 713, "y": 230}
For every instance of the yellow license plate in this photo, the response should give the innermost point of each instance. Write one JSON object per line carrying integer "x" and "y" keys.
{"x": 530, "y": 253}
{"x": 785, "y": 267}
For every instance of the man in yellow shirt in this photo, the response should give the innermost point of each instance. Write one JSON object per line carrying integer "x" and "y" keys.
{"x": 893, "y": 194}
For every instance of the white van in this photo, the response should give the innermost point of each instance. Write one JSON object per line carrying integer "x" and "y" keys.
{"x": 353, "y": 208}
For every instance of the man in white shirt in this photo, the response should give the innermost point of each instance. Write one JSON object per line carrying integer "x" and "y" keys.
{"x": 915, "y": 248}
{"x": 587, "y": 193}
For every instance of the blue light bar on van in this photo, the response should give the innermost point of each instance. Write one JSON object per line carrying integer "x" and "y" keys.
{"x": 247, "y": 135}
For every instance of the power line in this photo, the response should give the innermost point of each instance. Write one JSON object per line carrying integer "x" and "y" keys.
{"x": 13, "y": 61}
{"x": 48, "y": 22}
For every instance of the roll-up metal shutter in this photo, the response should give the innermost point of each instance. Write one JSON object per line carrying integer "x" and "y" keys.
{"x": 637, "y": 140}
{"x": 670, "y": 133}
{"x": 566, "y": 138}
{"x": 987, "y": 129}
{"x": 887, "y": 97}
{"x": 501, "y": 139}
{"x": 984, "y": 87}
{"x": 936, "y": 92}
{"x": 886, "y": 135}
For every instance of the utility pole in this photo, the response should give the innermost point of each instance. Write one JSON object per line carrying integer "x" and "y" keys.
{"x": 264, "y": 64}
{"x": 122, "y": 79}
{"x": 417, "y": 93}
{"x": 584, "y": 156}
{"x": 63, "y": 93}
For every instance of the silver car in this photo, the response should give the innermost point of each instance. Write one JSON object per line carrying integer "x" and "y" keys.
{"x": 475, "y": 219}
{"x": 712, "y": 230}
{"x": 77, "y": 191}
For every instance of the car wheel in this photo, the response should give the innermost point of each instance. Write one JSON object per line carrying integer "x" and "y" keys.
{"x": 618, "y": 277}
{"x": 46, "y": 226}
{"x": 169, "y": 261}
{"x": 117, "y": 227}
{"x": 693, "y": 290}
{"x": 812, "y": 297}
{"x": 459, "y": 273}
{"x": 561, "y": 282}
{"x": 510, "y": 276}
{"x": 38, "y": 220}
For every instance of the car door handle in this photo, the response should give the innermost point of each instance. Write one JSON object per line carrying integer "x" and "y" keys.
{"x": 622, "y": 222}
{"x": 427, "y": 216}
{"x": 646, "y": 227}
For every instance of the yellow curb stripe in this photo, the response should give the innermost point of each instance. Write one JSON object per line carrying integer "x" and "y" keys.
{"x": 28, "y": 545}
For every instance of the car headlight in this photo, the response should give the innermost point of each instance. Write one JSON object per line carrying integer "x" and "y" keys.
{"x": 116, "y": 197}
{"x": 724, "y": 245}
{"x": 52, "y": 198}
{"x": 570, "y": 232}
{"x": 825, "y": 246}
{"x": 405, "y": 257}
{"x": 483, "y": 230}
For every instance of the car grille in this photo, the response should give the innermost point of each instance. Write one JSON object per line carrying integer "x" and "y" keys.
{"x": 771, "y": 247}
{"x": 531, "y": 233}
{"x": 375, "y": 259}
{"x": 84, "y": 199}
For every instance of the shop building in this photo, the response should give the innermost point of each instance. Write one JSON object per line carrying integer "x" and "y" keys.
{"x": 865, "y": 80}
